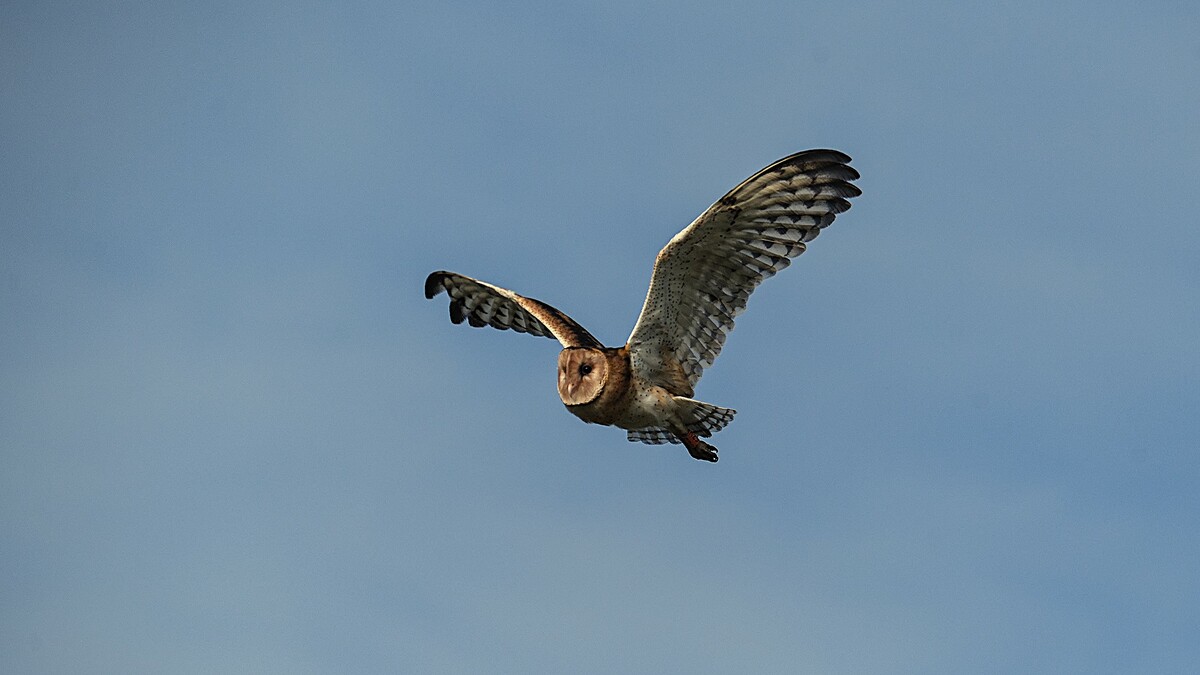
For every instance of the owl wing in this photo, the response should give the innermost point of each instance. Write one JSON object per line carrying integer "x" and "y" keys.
{"x": 705, "y": 274}
{"x": 482, "y": 304}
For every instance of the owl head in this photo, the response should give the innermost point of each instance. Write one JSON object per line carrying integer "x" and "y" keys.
{"x": 582, "y": 374}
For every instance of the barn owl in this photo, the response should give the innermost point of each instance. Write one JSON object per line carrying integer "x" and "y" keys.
{"x": 701, "y": 281}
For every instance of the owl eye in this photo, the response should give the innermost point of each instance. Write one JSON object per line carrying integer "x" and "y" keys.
{"x": 585, "y": 369}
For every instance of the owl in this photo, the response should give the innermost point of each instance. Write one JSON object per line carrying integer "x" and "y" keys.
{"x": 701, "y": 281}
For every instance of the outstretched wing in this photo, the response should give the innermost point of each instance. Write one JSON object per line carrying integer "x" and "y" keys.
{"x": 482, "y": 304}
{"x": 704, "y": 276}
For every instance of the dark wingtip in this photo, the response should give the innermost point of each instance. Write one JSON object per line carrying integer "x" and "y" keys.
{"x": 826, "y": 154}
{"x": 433, "y": 283}
{"x": 457, "y": 313}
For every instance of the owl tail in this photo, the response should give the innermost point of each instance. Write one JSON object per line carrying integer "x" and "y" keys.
{"x": 703, "y": 419}
{"x": 699, "y": 419}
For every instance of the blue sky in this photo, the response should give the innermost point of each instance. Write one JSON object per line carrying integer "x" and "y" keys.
{"x": 236, "y": 438}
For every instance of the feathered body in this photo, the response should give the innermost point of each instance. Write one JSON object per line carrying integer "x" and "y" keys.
{"x": 702, "y": 279}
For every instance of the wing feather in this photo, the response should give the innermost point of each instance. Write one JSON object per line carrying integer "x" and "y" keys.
{"x": 704, "y": 276}
{"x": 482, "y": 304}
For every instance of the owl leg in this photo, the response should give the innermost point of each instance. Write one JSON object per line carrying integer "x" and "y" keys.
{"x": 698, "y": 448}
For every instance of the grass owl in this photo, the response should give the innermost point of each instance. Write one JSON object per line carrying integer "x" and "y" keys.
{"x": 701, "y": 281}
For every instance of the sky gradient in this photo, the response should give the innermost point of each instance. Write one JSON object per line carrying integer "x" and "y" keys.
{"x": 236, "y": 438}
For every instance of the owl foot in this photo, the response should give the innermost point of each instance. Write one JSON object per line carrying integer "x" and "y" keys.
{"x": 698, "y": 448}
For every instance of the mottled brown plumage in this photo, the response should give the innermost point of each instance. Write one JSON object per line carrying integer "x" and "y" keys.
{"x": 702, "y": 279}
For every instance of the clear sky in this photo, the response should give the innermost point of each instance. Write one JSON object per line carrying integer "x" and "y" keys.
{"x": 235, "y": 437}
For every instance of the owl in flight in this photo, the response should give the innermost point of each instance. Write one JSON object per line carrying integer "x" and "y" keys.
{"x": 701, "y": 281}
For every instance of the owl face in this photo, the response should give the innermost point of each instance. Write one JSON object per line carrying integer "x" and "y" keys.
{"x": 582, "y": 374}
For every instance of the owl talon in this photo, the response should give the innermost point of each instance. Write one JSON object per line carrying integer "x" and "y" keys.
{"x": 698, "y": 448}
